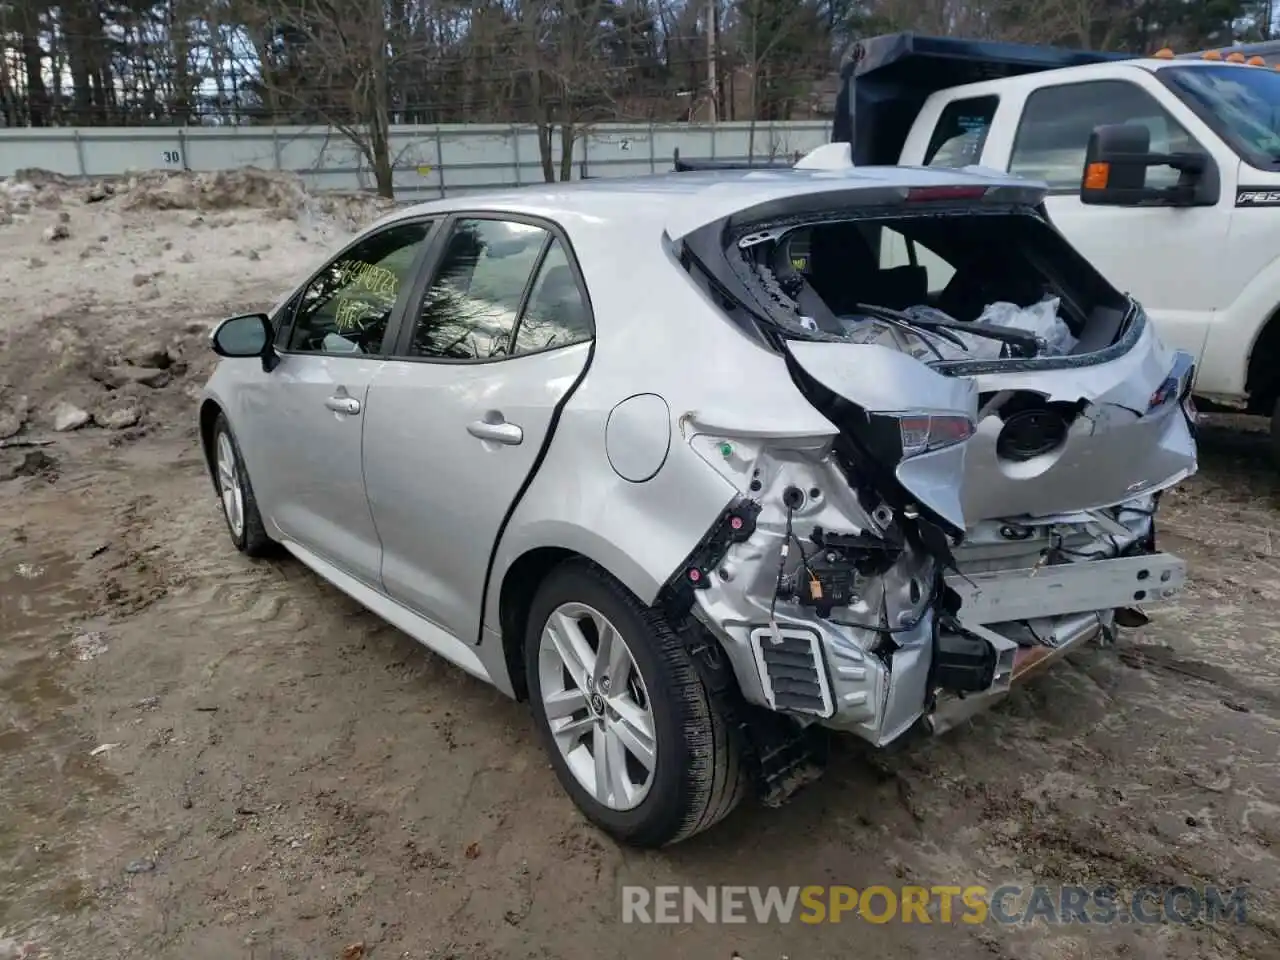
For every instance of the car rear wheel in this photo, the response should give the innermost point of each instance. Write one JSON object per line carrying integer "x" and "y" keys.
{"x": 632, "y": 732}
{"x": 235, "y": 493}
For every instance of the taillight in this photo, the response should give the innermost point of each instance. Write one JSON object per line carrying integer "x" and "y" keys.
{"x": 892, "y": 438}
{"x": 953, "y": 192}
{"x": 924, "y": 432}
{"x": 1176, "y": 386}
{"x": 1163, "y": 393}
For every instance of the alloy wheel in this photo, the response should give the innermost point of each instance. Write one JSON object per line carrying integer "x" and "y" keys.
{"x": 229, "y": 485}
{"x": 597, "y": 706}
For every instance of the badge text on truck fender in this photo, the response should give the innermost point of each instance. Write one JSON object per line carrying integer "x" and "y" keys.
{"x": 1257, "y": 197}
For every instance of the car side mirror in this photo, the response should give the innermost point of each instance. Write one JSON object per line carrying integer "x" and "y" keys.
{"x": 244, "y": 336}
{"x": 1115, "y": 171}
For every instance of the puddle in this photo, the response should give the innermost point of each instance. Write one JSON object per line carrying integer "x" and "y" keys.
{"x": 48, "y": 782}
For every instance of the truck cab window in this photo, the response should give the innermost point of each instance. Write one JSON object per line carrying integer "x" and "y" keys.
{"x": 1057, "y": 121}
{"x": 961, "y": 133}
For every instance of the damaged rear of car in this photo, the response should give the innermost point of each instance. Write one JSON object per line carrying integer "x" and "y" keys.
{"x": 1006, "y": 423}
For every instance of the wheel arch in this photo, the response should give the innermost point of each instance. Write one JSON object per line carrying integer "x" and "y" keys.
{"x": 519, "y": 586}
{"x": 209, "y": 410}
{"x": 1262, "y": 378}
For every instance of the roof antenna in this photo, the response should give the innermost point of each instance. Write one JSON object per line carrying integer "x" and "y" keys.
{"x": 829, "y": 156}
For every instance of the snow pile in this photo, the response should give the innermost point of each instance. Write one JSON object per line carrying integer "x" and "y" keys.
{"x": 112, "y": 285}
{"x": 280, "y": 195}
{"x": 277, "y": 194}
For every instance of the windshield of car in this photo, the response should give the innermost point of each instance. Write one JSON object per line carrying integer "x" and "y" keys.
{"x": 1241, "y": 103}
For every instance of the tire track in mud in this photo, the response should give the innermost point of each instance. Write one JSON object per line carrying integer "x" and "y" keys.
{"x": 310, "y": 777}
{"x": 276, "y": 620}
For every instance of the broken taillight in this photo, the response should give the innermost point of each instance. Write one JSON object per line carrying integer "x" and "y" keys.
{"x": 923, "y": 432}
{"x": 1163, "y": 394}
{"x": 1176, "y": 386}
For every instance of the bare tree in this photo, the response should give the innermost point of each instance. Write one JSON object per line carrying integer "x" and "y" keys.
{"x": 775, "y": 42}
{"x": 330, "y": 61}
{"x": 359, "y": 66}
{"x": 563, "y": 62}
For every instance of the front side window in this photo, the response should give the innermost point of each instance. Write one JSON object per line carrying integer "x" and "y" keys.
{"x": 961, "y": 132}
{"x": 346, "y": 308}
{"x": 1057, "y": 122}
{"x": 1241, "y": 103}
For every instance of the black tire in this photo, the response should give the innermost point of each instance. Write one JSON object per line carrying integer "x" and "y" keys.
{"x": 698, "y": 777}
{"x": 251, "y": 539}
{"x": 1275, "y": 435}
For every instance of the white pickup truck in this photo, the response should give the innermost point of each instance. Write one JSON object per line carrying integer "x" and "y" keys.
{"x": 1183, "y": 209}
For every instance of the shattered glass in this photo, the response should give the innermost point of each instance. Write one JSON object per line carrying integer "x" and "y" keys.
{"x": 1041, "y": 320}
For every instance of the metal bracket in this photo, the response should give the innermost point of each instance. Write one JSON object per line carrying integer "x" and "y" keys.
{"x": 1057, "y": 589}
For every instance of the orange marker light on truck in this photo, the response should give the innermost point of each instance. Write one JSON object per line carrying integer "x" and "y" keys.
{"x": 1236, "y": 57}
{"x": 1256, "y": 61}
{"x": 1164, "y": 53}
{"x": 1096, "y": 176}
{"x": 1212, "y": 55}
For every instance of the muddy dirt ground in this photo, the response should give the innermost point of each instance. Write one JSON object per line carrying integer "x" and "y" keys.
{"x": 203, "y": 756}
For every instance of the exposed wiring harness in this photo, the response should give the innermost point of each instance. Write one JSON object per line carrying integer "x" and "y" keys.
{"x": 787, "y": 540}
{"x": 790, "y": 537}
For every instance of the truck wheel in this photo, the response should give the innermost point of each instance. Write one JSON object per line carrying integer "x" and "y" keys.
{"x": 631, "y": 731}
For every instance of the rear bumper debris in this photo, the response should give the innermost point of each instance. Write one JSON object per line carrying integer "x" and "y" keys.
{"x": 1012, "y": 625}
{"x": 893, "y": 651}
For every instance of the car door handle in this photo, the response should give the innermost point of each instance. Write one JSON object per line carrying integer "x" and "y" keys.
{"x": 347, "y": 405}
{"x": 498, "y": 431}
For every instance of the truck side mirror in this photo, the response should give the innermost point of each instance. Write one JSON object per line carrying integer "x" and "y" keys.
{"x": 1115, "y": 171}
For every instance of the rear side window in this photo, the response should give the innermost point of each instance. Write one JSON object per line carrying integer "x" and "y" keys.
{"x": 556, "y": 314}
{"x": 961, "y": 132}
{"x": 503, "y": 288}
{"x": 470, "y": 309}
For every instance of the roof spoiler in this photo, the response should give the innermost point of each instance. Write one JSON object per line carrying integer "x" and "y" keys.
{"x": 885, "y": 80}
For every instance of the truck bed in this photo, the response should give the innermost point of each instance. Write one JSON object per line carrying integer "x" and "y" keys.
{"x": 885, "y": 80}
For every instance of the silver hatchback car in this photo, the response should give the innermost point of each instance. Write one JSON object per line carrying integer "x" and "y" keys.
{"x": 705, "y": 464}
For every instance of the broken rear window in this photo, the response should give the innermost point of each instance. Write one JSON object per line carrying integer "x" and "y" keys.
{"x": 966, "y": 284}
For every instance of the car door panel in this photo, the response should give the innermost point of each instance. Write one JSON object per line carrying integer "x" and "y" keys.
{"x": 455, "y": 423}
{"x": 341, "y": 324}
{"x": 439, "y": 484}
{"x": 321, "y": 501}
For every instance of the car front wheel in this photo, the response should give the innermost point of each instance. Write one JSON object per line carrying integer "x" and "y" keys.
{"x": 235, "y": 493}
{"x": 1275, "y": 435}
{"x": 631, "y": 730}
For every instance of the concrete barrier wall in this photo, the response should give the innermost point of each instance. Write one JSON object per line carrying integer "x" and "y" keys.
{"x": 429, "y": 161}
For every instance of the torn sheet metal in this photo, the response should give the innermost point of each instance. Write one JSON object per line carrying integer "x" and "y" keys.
{"x": 880, "y": 378}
